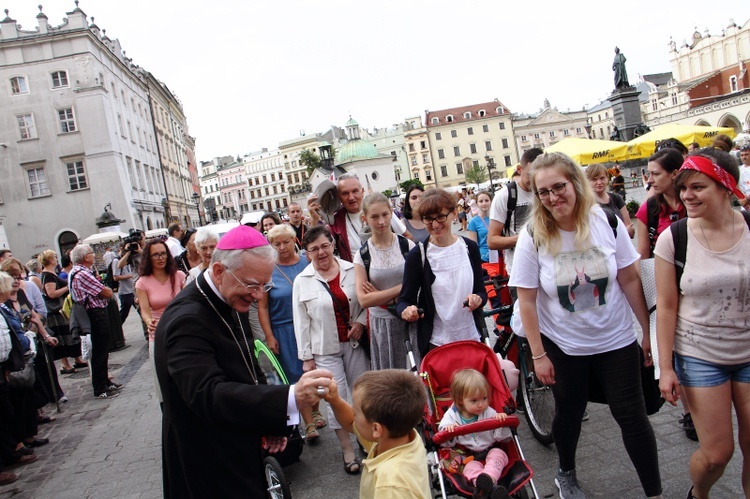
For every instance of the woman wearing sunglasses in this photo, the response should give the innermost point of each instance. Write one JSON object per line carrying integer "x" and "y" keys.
{"x": 443, "y": 277}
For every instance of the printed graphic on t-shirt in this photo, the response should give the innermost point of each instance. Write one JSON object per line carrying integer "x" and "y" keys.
{"x": 581, "y": 279}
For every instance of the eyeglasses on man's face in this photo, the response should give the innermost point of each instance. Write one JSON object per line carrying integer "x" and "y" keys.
{"x": 315, "y": 249}
{"x": 253, "y": 288}
{"x": 439, "y": 219}
{"x": 557, "y": 190}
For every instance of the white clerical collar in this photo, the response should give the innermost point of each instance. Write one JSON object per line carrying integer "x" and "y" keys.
{"x": 210, "y": 280}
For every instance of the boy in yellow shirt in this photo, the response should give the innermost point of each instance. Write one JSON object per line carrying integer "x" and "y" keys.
{"x": 387, "y": 405}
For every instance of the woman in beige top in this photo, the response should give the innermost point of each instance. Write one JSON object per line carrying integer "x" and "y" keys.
{"x": 703, "y": 315}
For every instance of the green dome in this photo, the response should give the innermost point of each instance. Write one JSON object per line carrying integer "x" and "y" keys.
{"x": 354, "y": 150}
{"x": 351, "y": 122}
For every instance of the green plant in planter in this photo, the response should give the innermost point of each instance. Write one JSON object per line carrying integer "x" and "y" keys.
{"x": 632, "y": 207}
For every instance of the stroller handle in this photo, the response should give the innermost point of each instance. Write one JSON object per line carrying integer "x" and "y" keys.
{"x": 484, "y": 425}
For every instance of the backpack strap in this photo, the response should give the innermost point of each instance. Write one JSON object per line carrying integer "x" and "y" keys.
{"x": 512, "y": 200}
{"x": 680, "y": 240}
{"x": 364, "y": 253}
{"x": 652, "y": 220}
{"x": 612, "y": 219}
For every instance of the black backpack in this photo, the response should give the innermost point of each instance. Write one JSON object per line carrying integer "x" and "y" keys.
{"x": 364, "y": 252}
{"x": 652, "y": 220}
{"x": 109, "y": 278}
{"x": 680, "y": 240}
{"x": 512, "y": 199}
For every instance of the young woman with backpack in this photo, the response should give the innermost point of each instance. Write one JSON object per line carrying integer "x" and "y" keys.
{"x": 701, "y": 283}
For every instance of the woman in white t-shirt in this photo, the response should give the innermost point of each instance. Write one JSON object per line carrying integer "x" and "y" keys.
{"x": 703, "y": 317}
{"x": 577, "y": 280}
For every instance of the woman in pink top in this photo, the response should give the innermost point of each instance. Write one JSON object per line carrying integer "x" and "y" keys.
{"x": 158, "y": 284}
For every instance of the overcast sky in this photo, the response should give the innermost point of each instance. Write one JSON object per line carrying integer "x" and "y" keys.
{"x": 253, "y": 73}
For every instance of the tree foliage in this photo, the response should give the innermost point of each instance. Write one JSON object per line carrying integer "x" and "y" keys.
{"x": 310, "y": 159}
{"x": 406, "y": 183}
{"x": 476, "y": 175}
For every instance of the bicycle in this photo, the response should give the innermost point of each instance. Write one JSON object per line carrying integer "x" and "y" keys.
{"x": 533, "y": 396}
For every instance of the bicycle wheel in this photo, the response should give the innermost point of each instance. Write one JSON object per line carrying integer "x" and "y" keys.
{"x": 538, "y": 401}
{"x": 278, "y": 487}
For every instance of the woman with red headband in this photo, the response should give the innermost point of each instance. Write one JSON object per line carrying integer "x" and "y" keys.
{"x": 703, "y": 315}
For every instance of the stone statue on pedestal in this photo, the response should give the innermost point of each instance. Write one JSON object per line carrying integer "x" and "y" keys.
{"x": 621, "y": 74}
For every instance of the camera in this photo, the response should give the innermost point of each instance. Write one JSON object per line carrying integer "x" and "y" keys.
{"x": 132, "y": 239}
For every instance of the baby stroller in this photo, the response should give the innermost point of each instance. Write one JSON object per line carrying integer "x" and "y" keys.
{"x": 278, "y": 486}
{"x": 436, "y": 370}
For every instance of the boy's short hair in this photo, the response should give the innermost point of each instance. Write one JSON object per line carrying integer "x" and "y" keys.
{"x": 395, "y": 398}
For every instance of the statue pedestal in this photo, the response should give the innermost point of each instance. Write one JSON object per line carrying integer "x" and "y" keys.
{"x": 627, "y": 111}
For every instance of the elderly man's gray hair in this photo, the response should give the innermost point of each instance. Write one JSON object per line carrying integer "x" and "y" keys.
{"x": 232, "y": 259}
{"x": 78, "y": 253}
{"x": 347, "y": 176}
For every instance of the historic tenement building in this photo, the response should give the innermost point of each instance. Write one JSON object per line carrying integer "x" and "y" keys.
{"x": 77, "y": 134}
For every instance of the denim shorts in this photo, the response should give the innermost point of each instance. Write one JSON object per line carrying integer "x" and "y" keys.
{"x": 699, "y": 373}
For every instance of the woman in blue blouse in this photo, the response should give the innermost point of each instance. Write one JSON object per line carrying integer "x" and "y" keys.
{"x": 275, "y": 315}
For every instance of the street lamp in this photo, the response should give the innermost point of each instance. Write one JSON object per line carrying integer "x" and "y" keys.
{"x": 490, "y": 166}
{"x": 197, "y": 201}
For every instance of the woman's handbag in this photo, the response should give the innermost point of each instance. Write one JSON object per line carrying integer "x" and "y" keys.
{"x": 24, "y": 378}
{"x": 54, "y": 305}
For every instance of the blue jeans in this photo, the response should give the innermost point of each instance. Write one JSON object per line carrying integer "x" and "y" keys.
{"x": 700, "y": 373}
{"x": 619, "y": 374}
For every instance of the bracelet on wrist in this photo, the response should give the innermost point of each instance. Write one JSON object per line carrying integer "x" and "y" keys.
{"x": 537, "y": 357}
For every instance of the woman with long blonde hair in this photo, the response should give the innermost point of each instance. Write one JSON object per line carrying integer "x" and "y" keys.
{"x": 577, "y": 277}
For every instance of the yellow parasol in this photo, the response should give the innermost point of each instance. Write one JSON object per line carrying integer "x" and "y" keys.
{"x": 590, "y": 151}
{"x": 645, "y": 145}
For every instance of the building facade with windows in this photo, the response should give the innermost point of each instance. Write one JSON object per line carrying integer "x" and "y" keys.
{"x": 209, "y": 186}
{"x": 233, "y": 193}
{"x": 73, "y": 104}
{"x": 175, "y": 147}
{"x": 464, "y": 137}
{"x": 548, "y": 127}
{"x": 419, "y": 157}
{"x": 391, "y": 141}
{"x": 266, "y": 181}
{"x": 710, "y": 84}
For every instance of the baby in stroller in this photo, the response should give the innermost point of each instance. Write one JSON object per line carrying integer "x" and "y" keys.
{"x": 470, "y": 394}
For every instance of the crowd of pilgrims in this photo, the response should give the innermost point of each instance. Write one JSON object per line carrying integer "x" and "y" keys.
{"x": 346, "y": 294}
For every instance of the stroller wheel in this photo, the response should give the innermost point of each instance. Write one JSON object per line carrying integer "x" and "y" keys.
{"x": 278, "y": 487}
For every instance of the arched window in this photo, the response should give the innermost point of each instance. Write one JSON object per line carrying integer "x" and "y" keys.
{"x": 482, "y": 113}
{"x": 449, "y": 118}
{"x": 66, "y": 241}
{"x": 467, "y": 115}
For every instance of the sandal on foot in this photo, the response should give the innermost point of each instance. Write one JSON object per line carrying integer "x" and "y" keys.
{"x": 318, "y": 419}
{"x": 353, "y": 467}
{"x": 72, "y": 370}
{"x": 311, "y": 433}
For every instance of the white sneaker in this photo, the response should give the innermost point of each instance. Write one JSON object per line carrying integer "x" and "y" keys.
{"x": 568, "y": 485}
